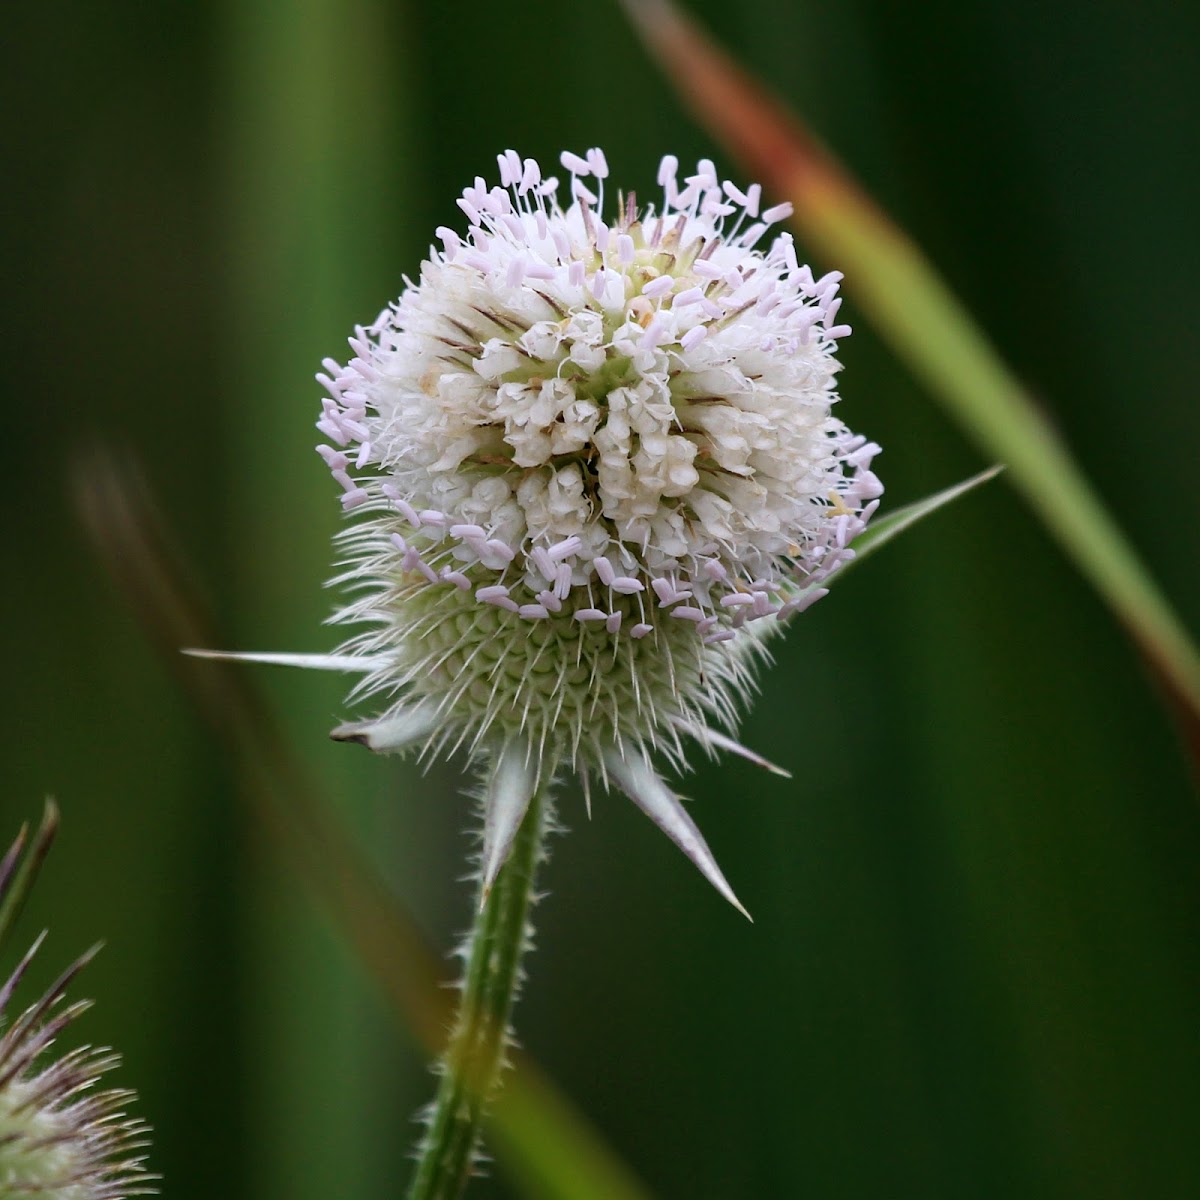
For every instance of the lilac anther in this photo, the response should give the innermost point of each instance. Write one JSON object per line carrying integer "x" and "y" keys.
{"x": 574, "y": 164}
{"x": 457, "y": 578}
{"x": 658, "y": 287}
{"x": 562, "y": 581}
{"x": 626, "y": 585}
{"x": 497, "y": 550}
{"x": 496, "y": 596}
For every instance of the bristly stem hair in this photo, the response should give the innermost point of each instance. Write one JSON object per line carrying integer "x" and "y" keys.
{"x": 475, "y": 1053}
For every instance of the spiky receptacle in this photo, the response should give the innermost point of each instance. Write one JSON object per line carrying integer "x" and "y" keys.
{"x": 564, "y": 683}
{"x": 59, "y": 1139}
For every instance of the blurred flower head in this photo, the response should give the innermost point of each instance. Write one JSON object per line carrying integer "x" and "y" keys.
{"x": 59, "y": 1138}
{"x": 594, "y": 466}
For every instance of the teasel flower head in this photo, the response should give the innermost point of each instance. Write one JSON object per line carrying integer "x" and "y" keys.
{"x": 593, "y": 467}
{"x": 60, "y": 1139}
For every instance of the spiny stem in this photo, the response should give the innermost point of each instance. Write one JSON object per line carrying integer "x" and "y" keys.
{"x": 475, "y": 1053}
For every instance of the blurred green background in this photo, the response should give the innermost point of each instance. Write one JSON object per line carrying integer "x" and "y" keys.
{"x": 975, "y": 966}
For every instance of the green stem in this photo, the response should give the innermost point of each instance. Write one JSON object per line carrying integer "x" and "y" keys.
{"x": 475, "y": 1053}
